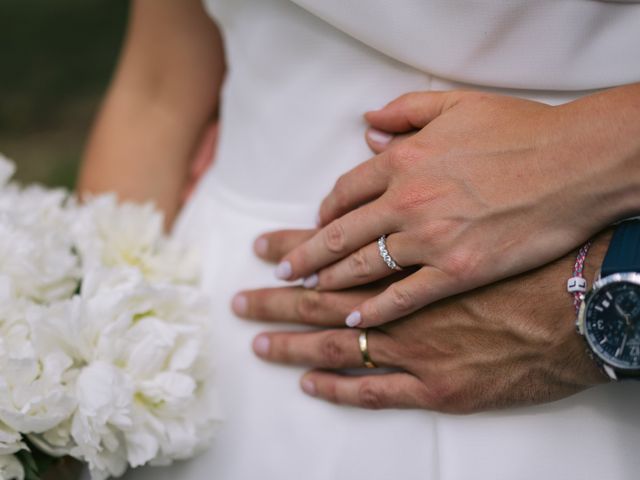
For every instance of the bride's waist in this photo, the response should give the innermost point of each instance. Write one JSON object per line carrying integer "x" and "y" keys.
{"x": 227, "y": 202}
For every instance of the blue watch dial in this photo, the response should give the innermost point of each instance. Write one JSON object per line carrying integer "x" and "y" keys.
{"x": 612, "y": 323}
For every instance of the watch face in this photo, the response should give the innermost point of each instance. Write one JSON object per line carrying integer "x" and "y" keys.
{"x": 612, "y": 323}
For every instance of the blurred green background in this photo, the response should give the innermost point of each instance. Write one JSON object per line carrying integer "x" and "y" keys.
{"x": 56, "y": 58}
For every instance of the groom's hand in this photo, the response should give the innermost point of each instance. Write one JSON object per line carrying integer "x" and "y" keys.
{"x": 509, "y": 344}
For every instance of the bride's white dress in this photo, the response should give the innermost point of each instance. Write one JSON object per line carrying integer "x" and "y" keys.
{"x": 301, "y": 73}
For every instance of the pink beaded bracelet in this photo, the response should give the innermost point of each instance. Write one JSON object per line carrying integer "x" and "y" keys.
{"x": 577, "y": 284}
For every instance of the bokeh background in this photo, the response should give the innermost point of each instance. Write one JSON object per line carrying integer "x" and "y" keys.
{"x": 56, "y": 59}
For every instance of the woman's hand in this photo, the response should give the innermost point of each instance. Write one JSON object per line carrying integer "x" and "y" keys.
{"x": 489, "y": 187}
{"x": 506, "y": 345}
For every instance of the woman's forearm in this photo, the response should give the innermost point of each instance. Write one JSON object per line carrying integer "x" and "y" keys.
{"x": 163, "y": 94}
{"x": 610, "y": 156}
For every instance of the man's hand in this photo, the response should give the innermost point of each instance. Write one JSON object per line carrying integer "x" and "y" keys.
{"x": 506, "y": 345}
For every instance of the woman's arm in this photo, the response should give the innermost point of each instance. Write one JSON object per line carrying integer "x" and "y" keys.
{"x": 164, "y": 91}
{"x": 489, "y": 187}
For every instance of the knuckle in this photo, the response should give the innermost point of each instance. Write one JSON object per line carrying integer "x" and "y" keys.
{"x": 462, "y": 263}
{"x": 371, "y": 397}
{"x": 332, "y": 351}
{"x": 411, "y": 199}
{"x": 358, "y": 264}
{"x": 401, "y": 299}
{"x": 446, "y": 395}
{"x": 334, "y": 238}
{"x": 438, "y": 395}
{"x": 402, "y": 156}
{"x": 309, "y": 305}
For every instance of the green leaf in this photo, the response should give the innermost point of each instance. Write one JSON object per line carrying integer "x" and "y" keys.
{"x": 31, "y": 471}
{"x": 34, "y": 462}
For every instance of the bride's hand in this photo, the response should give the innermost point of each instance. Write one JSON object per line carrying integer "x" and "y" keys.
{"x": 491, "y": 186}
{"x": 509, "y": 344}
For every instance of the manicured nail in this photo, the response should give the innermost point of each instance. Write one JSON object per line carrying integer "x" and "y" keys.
{"x": 261, "y": 245}
{"x": 239, "y": 304}
{"x": 378, "y": 136}
{"x": 311, "y": 281}
{"x": 309, "y": 387}
{"x": 354, "y": 319}
{"x": 283, "y": 271}
{"x": 261, "y": 345}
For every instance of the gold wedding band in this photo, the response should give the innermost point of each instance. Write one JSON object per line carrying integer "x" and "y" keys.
{"x": 363, "y": 342}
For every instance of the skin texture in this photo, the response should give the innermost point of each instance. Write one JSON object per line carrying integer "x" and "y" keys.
{"x": 490, "y": 186}
{"x": 516, "y": 337}
{"x": 159, "y": 106}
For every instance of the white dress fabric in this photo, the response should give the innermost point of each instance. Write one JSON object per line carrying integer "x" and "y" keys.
{"x": 300, "y": 76}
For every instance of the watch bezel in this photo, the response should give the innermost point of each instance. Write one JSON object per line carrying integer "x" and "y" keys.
{"x": 624, "y": 277}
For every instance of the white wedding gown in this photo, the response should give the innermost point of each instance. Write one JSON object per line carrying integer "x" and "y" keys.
{"x": 301, "y": 73}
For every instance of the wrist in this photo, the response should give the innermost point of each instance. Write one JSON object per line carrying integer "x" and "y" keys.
{"x": 609, "y": 132}
{"x": 596, "y": 255}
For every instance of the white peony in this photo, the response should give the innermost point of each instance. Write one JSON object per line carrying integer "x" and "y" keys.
{"x": 36, "y": 247}
{"x": 10, "y": 468}
{"x": 10, "y": 440}
{"x": 7, "y": 169}
{"x": 109, "y": 234}
{"x": 140, "y": 355}
{"x": 104, "y": 337}
{"x": 35, "y": 394}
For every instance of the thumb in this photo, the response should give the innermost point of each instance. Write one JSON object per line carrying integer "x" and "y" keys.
{"x": 412, "y": 111}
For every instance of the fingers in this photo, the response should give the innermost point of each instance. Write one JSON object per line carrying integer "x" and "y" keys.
{"x": 404, "y": 297}
{"x": 366, "y": 265}
{"x": 356, "y": 187}
{"x": 394, "y": 390}
{"x": 412, "y": 111}
{"x": 273, "y": 246}
{"x": 380, "y": 141}
{"x": 299, "y": 305}
{"x": 333, "y": 349}
{"x": 337, "y": 240}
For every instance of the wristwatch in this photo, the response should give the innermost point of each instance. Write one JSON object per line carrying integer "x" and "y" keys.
{"x": 609, "y": 317}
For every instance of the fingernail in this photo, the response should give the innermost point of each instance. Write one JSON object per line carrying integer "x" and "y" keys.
{"x": 261, "y": 246}
{"x": 239, "y": 304}
{"x": 354, "y": 319}
{"x": 311, "y": 281}
{"x": 283, "y": 270}
{"x": 378, "y": 136}
{"x": 261, "y": 345}
{"x": 318, "y": 221}
{"x": 309, "y": 387}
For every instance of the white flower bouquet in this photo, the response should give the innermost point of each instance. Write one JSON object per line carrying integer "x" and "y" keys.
{"x": 104, "y": 335}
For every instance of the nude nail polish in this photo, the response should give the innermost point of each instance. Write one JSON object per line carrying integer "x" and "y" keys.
{"x": 311, "y": 281}
{"x": 354, "y": 319}
{"x": 378, "y": 136}
{"x": 283, "y": 271}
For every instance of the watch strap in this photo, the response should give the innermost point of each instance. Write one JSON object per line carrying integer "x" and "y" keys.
{"x": 622, "y": 375}
{"x": 623, "y": 254}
